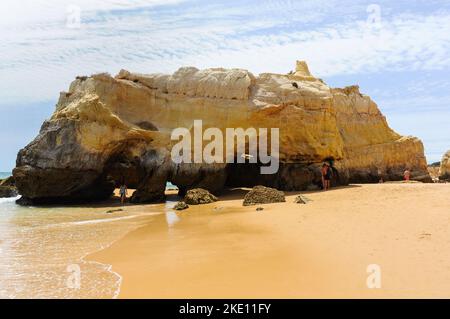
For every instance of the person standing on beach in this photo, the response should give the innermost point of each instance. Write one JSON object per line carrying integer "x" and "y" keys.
{"x": 326, "y": 176}
{"x": 381, "y": 180}
{"x": 407, "y": 175}
{"x": 123, "y": 193}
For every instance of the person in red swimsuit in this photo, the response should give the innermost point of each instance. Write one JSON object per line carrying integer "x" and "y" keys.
{"x": 407, "y": 175}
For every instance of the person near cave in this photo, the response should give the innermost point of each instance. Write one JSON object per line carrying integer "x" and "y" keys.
{"x": 407, "y": 175}
{"x": 123, "y": 191}
{"x": 380, "y": 175}
{"x": 327, "y": 173}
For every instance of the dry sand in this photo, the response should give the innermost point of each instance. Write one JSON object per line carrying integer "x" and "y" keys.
{"x": 320, "y": 249}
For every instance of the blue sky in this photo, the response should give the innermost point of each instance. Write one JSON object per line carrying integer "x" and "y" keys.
{"x": 397, "y": 51}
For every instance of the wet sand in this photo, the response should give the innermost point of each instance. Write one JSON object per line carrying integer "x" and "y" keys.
{"x": 321, "y": 249}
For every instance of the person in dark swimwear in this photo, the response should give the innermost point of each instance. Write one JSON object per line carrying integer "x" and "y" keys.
{"x": 123, "y": 191}
{"x": 326, "y": 176}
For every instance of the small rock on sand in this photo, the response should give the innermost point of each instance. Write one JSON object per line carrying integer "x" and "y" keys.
{"x": 8, "y": 191}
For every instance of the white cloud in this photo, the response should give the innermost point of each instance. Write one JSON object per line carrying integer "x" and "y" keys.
{"x": 40, "y": 56}
{"x": 26, "y": 12}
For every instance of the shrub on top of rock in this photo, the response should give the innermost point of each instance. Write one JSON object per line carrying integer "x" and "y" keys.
{"x": 263, "y": 195}
{"x": 198, "y": 196}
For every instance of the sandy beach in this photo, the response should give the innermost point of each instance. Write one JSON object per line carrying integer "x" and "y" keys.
{"x": 321, "y": 249}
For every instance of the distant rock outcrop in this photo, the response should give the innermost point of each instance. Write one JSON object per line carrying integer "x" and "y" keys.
{"x": 8, "y": 191}
{"x": 301, "y": 199}
{"x": 106, "y": 129}
{"x": 8, "y": 188}
{"x": 445, "y": 167}
{"x": 9, "y": 181}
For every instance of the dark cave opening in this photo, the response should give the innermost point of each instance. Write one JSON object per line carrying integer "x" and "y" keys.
{"x": 123, "y": 169}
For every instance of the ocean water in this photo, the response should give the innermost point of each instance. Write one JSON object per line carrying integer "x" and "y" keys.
{"x": 43, "y": 249}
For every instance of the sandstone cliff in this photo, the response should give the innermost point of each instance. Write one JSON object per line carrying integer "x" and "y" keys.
{"x": 445, "y": 167}
{"x": 108, "y": 128}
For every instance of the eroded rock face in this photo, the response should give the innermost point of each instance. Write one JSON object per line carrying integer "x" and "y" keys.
{"x": 445, "y": 167}
{"x": 263, "y": 195}
{"x": 107, "y": 130}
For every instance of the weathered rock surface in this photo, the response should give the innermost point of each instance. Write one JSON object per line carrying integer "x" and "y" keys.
{"x": 263, "y": 195}
{"x": 107, "y": 129}
{"x": 445, "y": 167}
{"x": 181, "y": 206}
{"x": 199, "y": 196}
{"x": 8, "y": 191}
{"x": 9, "y": 181}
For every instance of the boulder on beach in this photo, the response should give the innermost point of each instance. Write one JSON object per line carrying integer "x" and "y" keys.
{"x": 181, "y": 206}
{"x": 263, "y": 195}
{"x": 8, "y": 191}
{"x": 198, "y": 196}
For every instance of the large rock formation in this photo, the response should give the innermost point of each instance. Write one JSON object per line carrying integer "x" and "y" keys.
{"x": 445, "y": 167}
{"x": 106, "y": 129}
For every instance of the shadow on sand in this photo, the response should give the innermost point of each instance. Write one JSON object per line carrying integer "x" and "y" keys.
{"x": 171, "y": 196}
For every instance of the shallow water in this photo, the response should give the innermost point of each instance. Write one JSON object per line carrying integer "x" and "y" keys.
{"x": 42, "y": 249}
